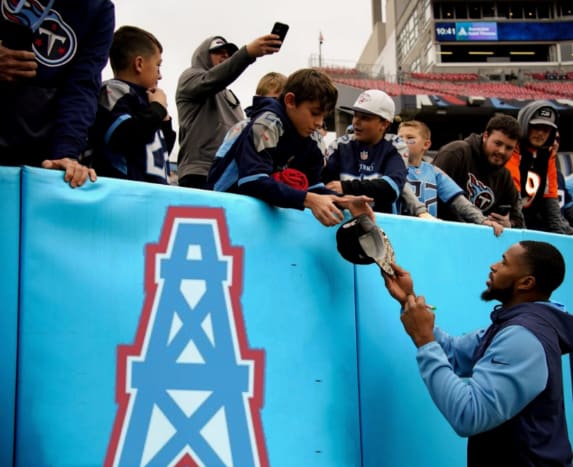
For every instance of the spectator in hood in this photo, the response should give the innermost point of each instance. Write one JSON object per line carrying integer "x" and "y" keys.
{"x": 206, "y": 108}
{"x": 533, "y": 167}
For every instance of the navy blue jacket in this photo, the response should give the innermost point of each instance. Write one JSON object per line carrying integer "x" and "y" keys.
{"x": 537, "y": 436}
{"x": 130, "y": 138}
{"x": 48, "y": 117}
{"x": 377, "y": 171}
{"x": 268, "y": 143}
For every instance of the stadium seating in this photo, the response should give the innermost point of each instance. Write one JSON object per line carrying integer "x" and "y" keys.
{"x": 459, "y": 84}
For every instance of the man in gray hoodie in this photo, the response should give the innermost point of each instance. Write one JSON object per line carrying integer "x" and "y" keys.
{"x": 206, "y": 108}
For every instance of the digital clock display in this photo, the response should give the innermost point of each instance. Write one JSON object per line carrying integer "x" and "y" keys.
{"x": 487, "y": 31}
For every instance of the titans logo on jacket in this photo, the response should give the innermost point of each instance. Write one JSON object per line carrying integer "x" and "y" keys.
{"x": 54, "y": 41}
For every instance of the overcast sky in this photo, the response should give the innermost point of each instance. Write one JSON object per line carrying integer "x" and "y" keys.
{"x": 181, "y": 25}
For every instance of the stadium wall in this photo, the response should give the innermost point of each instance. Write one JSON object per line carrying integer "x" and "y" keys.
{"x": 149, "y": 325}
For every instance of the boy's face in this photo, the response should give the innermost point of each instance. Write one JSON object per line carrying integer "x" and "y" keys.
{"x": 368, "y": 129}
{"x": 417, "y": 144}
{"x": 307, "y": 116}
{"x": 150, "y": 70}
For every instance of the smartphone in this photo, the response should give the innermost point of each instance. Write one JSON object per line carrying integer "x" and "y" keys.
{"x": 280, "y": 29}
{"x": 503, "y": 209}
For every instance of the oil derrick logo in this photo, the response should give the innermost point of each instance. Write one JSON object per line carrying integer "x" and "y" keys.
{"x": 190, "y": 390}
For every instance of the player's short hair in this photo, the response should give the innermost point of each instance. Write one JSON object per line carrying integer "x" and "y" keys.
{"x": 422, "y": 128}
{"x": 271, "y": 83}
{"x": 507, "y": 124}
{"x": 130, "y": 42}
{"x": 310, "y": 84}
{"x": 546, "y": 263}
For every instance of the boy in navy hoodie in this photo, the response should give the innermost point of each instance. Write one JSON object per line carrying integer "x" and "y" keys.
{"x": 365, "y": 163}
{"x": 277, "y": 156}
{"x": 133, "y": 137}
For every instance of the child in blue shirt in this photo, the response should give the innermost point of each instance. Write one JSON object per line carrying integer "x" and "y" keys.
{"x": 430, "y": 183}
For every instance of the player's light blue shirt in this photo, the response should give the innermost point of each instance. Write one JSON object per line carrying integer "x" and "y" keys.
{"x": 474, "y": 399}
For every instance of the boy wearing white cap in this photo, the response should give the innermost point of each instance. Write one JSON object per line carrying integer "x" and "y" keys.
{"x": 364, "y": 163}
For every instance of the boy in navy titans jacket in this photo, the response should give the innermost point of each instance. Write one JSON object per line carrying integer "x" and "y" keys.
{"x": 364, "y": 163}
{"x": 133, "y": 136}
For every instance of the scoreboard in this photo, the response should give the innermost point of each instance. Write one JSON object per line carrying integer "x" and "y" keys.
{"x": 503, "y": 31}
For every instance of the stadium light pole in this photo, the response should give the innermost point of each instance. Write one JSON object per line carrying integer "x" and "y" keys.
{"x": 320, "y": 41}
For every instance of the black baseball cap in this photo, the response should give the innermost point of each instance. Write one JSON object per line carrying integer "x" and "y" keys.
{"x": 219, "y": 43}
{"x": 347, "y": 239}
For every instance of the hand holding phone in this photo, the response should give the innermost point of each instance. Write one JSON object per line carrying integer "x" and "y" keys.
{"x": 280, "y": 29}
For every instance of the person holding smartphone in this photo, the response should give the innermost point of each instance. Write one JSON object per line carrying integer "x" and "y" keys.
{"x": 207, "y": 109}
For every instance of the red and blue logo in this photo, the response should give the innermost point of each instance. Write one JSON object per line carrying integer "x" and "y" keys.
{"x": 189, "y": 389}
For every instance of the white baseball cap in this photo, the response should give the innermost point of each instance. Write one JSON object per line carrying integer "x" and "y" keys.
{"x": 374, "y": 102}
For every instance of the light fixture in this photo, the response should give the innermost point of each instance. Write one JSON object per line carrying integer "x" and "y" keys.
{"x": 480, "y": 52}
{"x": 525, "y": 52}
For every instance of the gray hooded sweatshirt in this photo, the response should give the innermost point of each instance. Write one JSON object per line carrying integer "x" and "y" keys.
{"x": 206, "y": 108}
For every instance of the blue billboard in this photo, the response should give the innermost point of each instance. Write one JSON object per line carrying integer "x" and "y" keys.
{"x": 482, "y": 31}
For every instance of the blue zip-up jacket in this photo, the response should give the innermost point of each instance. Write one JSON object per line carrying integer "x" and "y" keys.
{"x": 377, "y": 171}
{"x": 48, "y": 117}
{"x": 511, "y": 404}
{"x": 268, "y": 143}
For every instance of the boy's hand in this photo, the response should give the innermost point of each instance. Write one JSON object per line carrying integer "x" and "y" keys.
{"x": 157, "y": 95}
{"x": 335, "y": 185}
{"x": 323, "y": 207}
{"x": 502, "y": 219}
{"x": 497, "y": 228}
{"x": 357, "y": 205}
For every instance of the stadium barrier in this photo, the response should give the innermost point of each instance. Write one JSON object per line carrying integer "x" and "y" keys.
{"x": 157, "y": 325}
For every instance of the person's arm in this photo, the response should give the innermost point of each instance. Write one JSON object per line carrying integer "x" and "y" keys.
{"x": 196, "y": 84}
{"x": 467, "y": 211}
{"x": 78, "y": 94}
{"x": 411, "y": 204}
{"x": 77, "y": 100}
{"x": 512, "y": 372}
